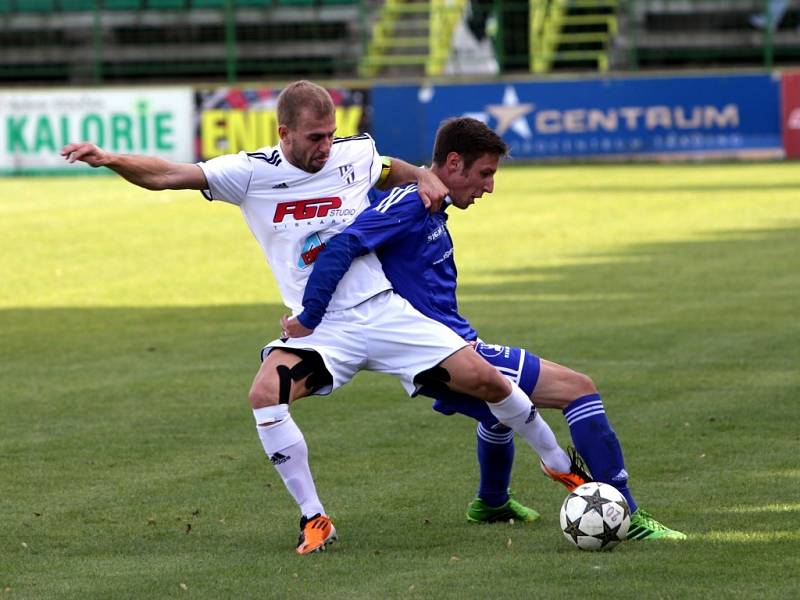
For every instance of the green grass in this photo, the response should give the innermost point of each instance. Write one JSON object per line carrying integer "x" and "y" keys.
{"x": 130, "y": 324}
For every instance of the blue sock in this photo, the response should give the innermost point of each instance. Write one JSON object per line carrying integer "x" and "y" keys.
{"x": 495, "y": 459}
{"x": 597, "y": 443}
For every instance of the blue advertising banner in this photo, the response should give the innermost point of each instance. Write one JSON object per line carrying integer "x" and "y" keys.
{"x": 632, "y": 117}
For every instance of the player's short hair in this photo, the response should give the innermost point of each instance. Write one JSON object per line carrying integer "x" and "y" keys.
{"x": 301, "y": 95}
{"x": 468, "y": 137}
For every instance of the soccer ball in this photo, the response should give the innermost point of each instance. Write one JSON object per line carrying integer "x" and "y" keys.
{"x": 595, "y": 516}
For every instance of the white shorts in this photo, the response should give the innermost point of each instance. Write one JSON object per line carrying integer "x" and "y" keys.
{"x": 384, "y": 334}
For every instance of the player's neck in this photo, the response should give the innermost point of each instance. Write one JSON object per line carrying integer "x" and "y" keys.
{"x": 439, "y": 172}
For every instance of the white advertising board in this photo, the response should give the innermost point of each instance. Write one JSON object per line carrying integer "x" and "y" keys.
{"x": 35, "y": 125}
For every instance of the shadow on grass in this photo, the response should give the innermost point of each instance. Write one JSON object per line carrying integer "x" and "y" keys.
{"x": 727, "y": 298}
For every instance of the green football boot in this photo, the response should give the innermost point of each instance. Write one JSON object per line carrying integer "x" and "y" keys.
{"x": 645, "y": 527}
{"x": 480, "y": 512}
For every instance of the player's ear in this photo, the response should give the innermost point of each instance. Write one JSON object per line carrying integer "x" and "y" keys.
{"x": 283, "y": 131}
{"x": 454, "y": 162}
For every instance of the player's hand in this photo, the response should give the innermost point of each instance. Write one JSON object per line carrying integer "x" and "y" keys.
{"x": 85, "y": 152}
{"x": 430, "y": 189}
{"x": 292, "y": 328}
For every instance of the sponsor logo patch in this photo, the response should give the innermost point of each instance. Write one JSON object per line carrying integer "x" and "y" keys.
{"x": 301, "y": 210}
{"x": 311, "y": 249}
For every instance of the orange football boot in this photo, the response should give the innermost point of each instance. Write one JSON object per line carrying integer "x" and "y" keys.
{"x": 576, "y": 476}
{"x": 316, "y": 533}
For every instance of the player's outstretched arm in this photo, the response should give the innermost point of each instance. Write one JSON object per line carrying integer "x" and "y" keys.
{"x": 430, "y": 188}
{"x": 148, "y": 172}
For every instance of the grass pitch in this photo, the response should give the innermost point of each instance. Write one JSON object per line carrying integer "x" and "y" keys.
{"x": 130, "y": 324}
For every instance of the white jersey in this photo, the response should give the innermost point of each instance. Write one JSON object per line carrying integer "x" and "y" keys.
{"x": 292, "y": 213}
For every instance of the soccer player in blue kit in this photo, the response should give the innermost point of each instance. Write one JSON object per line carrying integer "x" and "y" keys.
{"x": 416, "y": 252}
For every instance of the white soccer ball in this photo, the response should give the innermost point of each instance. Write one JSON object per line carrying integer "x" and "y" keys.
{"x": 595, "y": 516}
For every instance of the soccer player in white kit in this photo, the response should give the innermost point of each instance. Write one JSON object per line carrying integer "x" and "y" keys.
{"x": 294, "y": 197}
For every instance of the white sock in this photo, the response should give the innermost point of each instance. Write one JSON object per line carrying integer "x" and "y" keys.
{"x": 517, "y": 411}
{"x": 286, "y": 448}
{"x": 544, "y": 442}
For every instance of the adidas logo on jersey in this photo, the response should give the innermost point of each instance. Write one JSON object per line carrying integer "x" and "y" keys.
{"x": 280, "y": 186}
{"x": 278, "y": 458}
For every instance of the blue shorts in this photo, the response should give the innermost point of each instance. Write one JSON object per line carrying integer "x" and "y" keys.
{"x": 519, "y": 365}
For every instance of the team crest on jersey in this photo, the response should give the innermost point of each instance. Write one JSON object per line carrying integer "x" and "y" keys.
{"x": 347, "y": 173}
{"x": 490, "y": 350}
{"x": 311, "y": 249}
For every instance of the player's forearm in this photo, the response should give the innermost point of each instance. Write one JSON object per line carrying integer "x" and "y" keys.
{"x": 329, "y": 268}
{"x": 149, "y": 172}
{"x": 401, "y": 173}
{"x": 431, "y": 190}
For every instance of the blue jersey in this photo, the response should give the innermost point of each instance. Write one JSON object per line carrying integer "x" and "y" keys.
{"x": 416, "y": 252}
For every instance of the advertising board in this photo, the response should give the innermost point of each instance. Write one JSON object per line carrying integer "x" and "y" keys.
{"x": 715, "y": 116}
{"x": 36, "y": 124}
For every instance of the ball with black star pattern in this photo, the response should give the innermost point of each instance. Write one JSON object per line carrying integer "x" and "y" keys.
{"x": 595, "y": 516}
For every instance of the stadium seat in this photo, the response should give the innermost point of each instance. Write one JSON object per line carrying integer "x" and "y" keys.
{"x": 222, "y": 3}
{"x": 122, "y": 4}
{"x": 78, "y": 5}
{"x": 166, "y": 4}
{"x": 297, "y": 2}
{"x": 35, "y": 5}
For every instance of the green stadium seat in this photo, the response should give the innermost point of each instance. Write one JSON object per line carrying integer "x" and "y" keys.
{"x": 222, "y": 3}
{"x": 297, "y": 2}
{"x": 166, "y": 4}
{"x": 78, "y": 5}
{"x": 122, "y": 4}
{"x": 35, "y": 5}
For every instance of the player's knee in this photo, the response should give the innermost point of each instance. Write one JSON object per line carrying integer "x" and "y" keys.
{"x": 580, "y": 385}
{"x": 265, "y": 391}
{"x": 583, "y": 385}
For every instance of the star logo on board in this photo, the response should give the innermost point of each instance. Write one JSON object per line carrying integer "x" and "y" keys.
{"x": 510, "y": 114}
